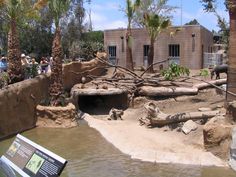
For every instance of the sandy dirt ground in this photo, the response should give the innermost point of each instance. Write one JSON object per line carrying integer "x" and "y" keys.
{"x": 167, "y": 144}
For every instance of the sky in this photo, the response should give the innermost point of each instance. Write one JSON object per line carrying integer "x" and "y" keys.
{"x": 108, "y": 14}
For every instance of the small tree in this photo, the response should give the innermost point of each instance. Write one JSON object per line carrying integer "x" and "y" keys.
{"x": 15, "y": 11}
{"x": 154, "y": 16}
{"x": 130, "y": 11}
{"x": 154, "y": 24}
{"x": 57, "y": 8}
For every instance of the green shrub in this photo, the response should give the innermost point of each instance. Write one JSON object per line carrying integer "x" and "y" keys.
{"x": 174, "y": 71}
{"x": 4, "y": 79}
{"x": 204, "y": 72}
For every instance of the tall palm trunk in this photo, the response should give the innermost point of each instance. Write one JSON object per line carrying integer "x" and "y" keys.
{"x": 231, "y": 83}
{"x": 56, "y": 88}
{"x": 14, "y": 60}
{"x": 151, "y": 56}
{"x": 129, "y": 57}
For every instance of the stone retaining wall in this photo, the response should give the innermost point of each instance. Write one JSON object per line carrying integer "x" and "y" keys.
{"x": 18, "y": 104}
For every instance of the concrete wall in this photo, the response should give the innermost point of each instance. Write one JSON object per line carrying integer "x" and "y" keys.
{"x": 18, "y": 104}
{"x": 73, "y": 72}
{"x": 191, "y": 48}
{"x": 18, "y": 101}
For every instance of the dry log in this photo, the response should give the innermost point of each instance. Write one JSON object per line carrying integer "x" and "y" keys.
{"x": 157, "y": 118}
{"x": 210, "y": 83}
{"x": 165, "y": 91}
{"x": 93, "y": 91}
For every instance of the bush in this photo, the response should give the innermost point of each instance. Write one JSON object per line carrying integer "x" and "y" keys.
{"x": 174, "y": 71}
{"x": 85, "y": 49}
{"x": 32, "y": 71}
{"x": 204, "y": 72}
{"x": 4, "y": 79}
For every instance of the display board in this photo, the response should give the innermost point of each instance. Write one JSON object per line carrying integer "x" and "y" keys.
{"x": 32, "y": 160}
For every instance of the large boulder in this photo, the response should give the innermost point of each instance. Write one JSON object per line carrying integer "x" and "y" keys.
{"x": 73, "y": 72}
{"x": 217, "y": 136}
{"x": 56, "y": 116}
{"x": 231, "y": 110}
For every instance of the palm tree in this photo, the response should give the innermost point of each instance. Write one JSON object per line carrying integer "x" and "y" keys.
{"x": 15, "y": 11}
{"x": 231, "y": 81}
{"x": 130, "y": 11}
{"x": 57, "y": 8}
{"x": 154, "y": 24}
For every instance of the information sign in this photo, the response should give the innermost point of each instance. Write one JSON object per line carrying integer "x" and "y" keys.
{"x": 32, "y": 160}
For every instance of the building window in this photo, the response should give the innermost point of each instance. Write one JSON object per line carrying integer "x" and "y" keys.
{"x": 174, "y": 50}
{"x": 145, "y": 50}
{"x": 112, "y": 51}
{"x": 122, "y": 44}
{"x": 112, "y": 54}
{"x": 145, "y": 55}
{"x": 174, "y": 53}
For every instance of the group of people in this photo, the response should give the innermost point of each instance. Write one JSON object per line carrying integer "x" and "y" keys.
{"x": 30, "y": 64}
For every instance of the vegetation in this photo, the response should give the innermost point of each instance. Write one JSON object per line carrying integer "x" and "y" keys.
{"x": 85, "y": 50}
{"x": 4, "y": 79}
{"x": 204, "y": 72}
{"x": 174, "y": 71}
{"x": 90, "y": 43}
{"x": 131, "y": 8}
{"x": 153, "y": 15}
{"x": 210, "y": 5}
{"x": 15, "y": 11}
{"x": 193, "y": 22}
{"x": 57, "y": 9}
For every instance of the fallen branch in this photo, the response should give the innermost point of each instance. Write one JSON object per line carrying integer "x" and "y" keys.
{"x": 163, "y": 61}
{"x": 133, "y": 74}
{"x": 157, "y": 118}
{"x": 214, "y": 84}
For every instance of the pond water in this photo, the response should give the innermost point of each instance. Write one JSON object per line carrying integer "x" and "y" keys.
{"x": 90, "y": 155}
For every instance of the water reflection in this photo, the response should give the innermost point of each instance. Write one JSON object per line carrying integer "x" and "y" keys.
{"x": 90, "y": 155}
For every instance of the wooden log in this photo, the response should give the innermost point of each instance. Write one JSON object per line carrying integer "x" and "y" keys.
{"x": 210, "y": 83}
{"x": 157, "y": 118}
{"x": 165, "y": 91}
{"x": 182, "y": 117}
{"x": 94, "y": 92}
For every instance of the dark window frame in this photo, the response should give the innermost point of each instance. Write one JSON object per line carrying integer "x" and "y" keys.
{"x": 174, "y": 50}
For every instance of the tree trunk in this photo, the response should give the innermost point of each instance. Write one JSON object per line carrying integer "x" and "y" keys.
{"x": 231, "y": 83}
{"x": 129, "y": 57}
{"x": 151, "y": 56}
{"x": 56, "y": 87}
{"x": 14, "y": 60}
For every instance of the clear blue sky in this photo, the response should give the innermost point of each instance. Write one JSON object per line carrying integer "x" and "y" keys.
{"x": 107, "y": 14}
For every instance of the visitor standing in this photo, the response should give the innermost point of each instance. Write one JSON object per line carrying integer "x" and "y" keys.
{"x": 3, "y": 64}
{"x": 44, "y": 65}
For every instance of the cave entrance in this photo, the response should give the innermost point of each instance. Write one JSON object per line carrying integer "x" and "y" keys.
{"x": 102, "y": 104}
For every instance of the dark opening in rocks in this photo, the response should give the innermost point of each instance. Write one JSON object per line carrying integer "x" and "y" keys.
{"x": 102, "y": 104}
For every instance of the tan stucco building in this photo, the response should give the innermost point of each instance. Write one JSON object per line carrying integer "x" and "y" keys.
{"x": 184, "y": 45}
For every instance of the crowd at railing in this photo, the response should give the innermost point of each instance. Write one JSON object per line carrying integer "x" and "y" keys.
{"x": 30, "y": 66}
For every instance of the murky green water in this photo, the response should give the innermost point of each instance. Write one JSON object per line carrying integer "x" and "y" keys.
{"x": 90, "y": 155}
